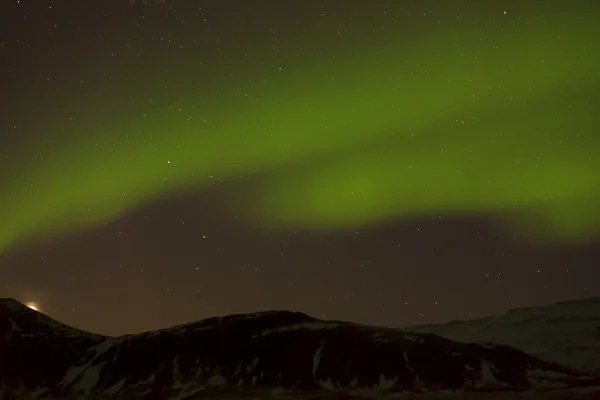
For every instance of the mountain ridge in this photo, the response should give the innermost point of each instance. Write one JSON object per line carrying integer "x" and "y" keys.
{"x": 265, "y": 354}
{"x": 566, "y": 332}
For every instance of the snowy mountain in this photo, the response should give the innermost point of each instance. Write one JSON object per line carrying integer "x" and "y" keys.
{"x": 275, "y": 354}
{"x": 566, "y": 333}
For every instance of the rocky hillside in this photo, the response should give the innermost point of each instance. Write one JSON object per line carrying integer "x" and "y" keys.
{"x": 272, "y": 354}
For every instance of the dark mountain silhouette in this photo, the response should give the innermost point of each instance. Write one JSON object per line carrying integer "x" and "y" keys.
{"x": 275, "y": 354}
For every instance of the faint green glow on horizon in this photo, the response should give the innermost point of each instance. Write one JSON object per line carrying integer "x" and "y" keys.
{"x": 508, "y": 123}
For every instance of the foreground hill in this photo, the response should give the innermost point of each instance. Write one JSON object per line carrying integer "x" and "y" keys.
{"x": 567, "y": 333}
{"x": 275, "y": 354}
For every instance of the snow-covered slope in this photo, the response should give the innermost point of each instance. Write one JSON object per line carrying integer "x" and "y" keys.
{"x": 274, "y": 354}
{"x": 566, "y": 333}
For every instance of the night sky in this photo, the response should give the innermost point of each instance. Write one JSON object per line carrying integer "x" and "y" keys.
{"x": 384, "y": 162}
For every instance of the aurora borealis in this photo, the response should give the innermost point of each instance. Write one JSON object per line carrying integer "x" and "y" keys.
{"x": 462, "y": 118}
{"x": 316, "y": 118}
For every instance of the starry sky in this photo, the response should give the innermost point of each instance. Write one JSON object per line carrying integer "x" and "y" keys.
{"x": 384, "y": 162}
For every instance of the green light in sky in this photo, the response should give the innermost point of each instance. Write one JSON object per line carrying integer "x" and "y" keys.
{"x": 458, "y": 120}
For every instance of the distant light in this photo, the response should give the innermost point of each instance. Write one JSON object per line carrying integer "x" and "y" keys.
{"x": 33, "y": 306}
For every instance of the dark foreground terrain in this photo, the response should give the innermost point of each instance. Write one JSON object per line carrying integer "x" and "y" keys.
{"x": 274, "y": 354}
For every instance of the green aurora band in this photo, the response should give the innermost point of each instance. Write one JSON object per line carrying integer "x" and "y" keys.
{"x": 506, "y": 122}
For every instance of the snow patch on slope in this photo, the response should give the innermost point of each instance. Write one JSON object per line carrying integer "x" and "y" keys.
{"x": 87, "y": 375}
{"x": 566, "y": 333}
